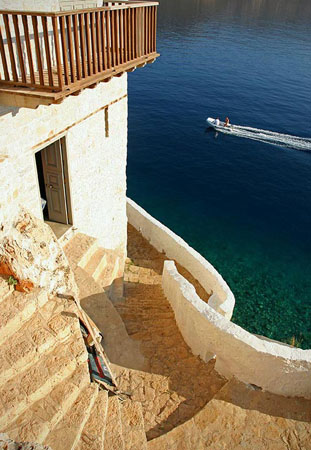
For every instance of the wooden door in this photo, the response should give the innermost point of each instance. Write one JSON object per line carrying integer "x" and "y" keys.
{"x": 53, "y": 171}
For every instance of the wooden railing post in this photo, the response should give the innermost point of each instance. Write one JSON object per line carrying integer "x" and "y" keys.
{"x": 82, "y": 45}
{"x": 47, "y": 50}
{"x": 108, "y": 38}
{"x": 77, "y": 46}
{"x": 38, "y": 49}
{"x": 28, "y": 47}
{"x": 70, "y": 48}
{"x": 3, "y": 58}
{"x": 103, "y": 34}
{"x": 93, "y": 40}
{"x": 10, "y": 46}
{"x": 89, "y": 45}
{"x": 155, "y": 9}
{"x": 98, "y": 42}
{"x": 57, "y": 52}
{"x": 64, "y": 48}
{"x": 19, "y": 48}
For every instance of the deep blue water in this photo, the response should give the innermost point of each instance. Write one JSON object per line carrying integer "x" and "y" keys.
{"x": 245, "y": 205}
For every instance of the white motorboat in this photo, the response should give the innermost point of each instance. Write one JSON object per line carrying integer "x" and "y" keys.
{"x": 212, "y": 123}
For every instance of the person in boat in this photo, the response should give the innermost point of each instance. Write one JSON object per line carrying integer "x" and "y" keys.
{"x": 217, "y": 122}
{"x": 227, "y": 123}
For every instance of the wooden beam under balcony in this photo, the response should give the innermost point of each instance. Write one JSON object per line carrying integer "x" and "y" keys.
{"x": 47, "y": 56}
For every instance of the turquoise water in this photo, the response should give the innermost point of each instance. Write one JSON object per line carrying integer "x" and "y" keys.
{"x": 243, "y": 204}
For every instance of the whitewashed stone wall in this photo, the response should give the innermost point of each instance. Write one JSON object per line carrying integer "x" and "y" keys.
{"x": 30, "y": 5}
{"x": 97, "y": 164}
{"x": 163, "y": 239}
{"x": 48, "y": 5}
{"x": 274, "y": 367}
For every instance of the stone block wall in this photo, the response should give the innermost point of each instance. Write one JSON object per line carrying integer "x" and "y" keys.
{"x": 48, "y": 5}
{"x": 30, "y": 5}
{"x": 96, "y": 158}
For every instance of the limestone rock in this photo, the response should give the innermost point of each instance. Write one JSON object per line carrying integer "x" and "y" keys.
{"x": 30, "y": 252}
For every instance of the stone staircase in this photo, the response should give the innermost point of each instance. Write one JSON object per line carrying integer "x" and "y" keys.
{"x": 174, "y": 384}
{"x": 186, "y": 404}
{"x": 240, "y": 416}
{"x": 176, "y": 400}
{"x": 45, "y": 391}
{"x": 85, "y": 252}
{"x": 87, "y": 261}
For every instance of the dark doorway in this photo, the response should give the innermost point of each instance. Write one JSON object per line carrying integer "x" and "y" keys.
{"x": 53, "y": 183}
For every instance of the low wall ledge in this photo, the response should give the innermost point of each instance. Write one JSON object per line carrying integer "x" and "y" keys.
{"x": 164, "y": 240}
{"x": 274, "y": 367}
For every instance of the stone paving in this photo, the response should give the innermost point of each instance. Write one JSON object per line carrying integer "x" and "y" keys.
{"x": 175, "y": 400}
{"x": 45, "y": 392}
{"x": 186, "y": 404}
{"x": 173, "y": 385}
{"x": 145, "y": 264}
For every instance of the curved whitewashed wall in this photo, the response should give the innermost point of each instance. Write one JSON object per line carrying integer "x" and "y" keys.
{"x": 163, "y": 239}
{"x": 274, "y": 367}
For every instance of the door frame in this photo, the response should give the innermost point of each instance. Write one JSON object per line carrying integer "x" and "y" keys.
{"x": 63, "y": 147}
{"x": 66, "y": 179}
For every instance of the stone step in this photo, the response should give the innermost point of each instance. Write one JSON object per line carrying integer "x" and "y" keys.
{"x": 250, "y": 397}
{"x": 37, "y": 421}
{"x": 114, "y": 438}
{"x": 119, "y": 348}
{"x": 144, "y": 334}
{"x": 80, "y": 249}
{"x": 21, "y": 391}
{"x": 67, "y": 432}
{"x": 96, "y": 264}
{"x": 37, "y": 337}
{"x": 165, "y": 327}
{"x": 144, "y": 320}
{"x": 88, "y": 255}
{"x": 139, "y": 308}
{"x": 109, "y": 273}
{"x": 136, "y": 289}
{"x": 228, "y": 425}
{"x": 143, "y": 315}
{"x": 148, "y": 280}
{"x": 93, "y": 434}
{"x": 5, "y": 289}
{"x": 17, "y": 309}
{"x": 144, "y": 290}
{"x": 146, "y": 295}
{"x": 147, "y": 298}
{"x": 133, "y": 426}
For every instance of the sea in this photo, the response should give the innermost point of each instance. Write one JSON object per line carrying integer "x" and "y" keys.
{"x": 241, "y": 199}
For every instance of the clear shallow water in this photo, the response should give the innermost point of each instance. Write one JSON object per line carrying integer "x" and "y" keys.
{"x": 242, "y": 203}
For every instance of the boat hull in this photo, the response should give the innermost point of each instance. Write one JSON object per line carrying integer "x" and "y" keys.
{"x": 220, "y": 127}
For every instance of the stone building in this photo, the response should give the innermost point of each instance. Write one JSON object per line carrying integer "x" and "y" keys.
{"x": 80, "y": 262}
{"x": 69, "y": 157}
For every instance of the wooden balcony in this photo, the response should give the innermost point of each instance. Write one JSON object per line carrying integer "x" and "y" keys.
{"x": 47, "y": 56}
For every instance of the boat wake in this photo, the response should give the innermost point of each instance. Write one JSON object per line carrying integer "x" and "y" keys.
{"x": 270, "y": 137}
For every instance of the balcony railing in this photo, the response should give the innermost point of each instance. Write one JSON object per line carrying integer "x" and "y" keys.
{"x": 60, "y": 53}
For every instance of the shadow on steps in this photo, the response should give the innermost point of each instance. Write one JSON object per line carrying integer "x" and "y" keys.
{"x": 119, "y": 347}
{"x": 175, "y": 384}
{"x": 248, "y": 397}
